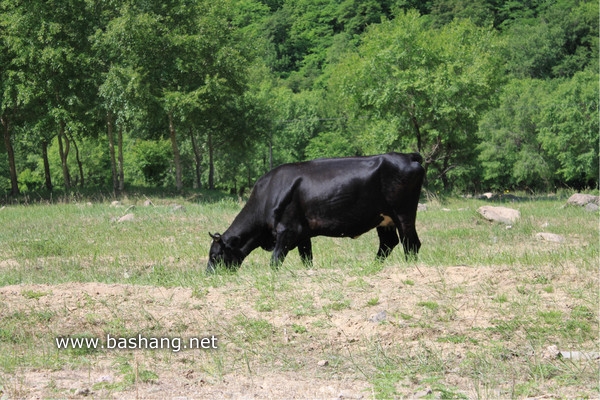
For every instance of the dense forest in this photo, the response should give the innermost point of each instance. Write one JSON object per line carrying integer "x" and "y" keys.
{"x": 113, "y": 95}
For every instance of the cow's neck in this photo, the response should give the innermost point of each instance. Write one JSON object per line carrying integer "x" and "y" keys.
{"x": 248, "y": 232}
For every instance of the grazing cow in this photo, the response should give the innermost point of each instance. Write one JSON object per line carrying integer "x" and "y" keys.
{"x": 336, "y": 197}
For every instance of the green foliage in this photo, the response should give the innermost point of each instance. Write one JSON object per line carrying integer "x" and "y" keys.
{"x": 239, "y": 86}
{"x": 569, "y": 128}
{"x": 510, "y": 151}
{"x": 545, "y": 131}
{"x": 429, "y": 86}
{"x": 153, "y": 159}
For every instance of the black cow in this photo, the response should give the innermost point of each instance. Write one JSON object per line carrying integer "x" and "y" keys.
{"x": 336, "y": 197}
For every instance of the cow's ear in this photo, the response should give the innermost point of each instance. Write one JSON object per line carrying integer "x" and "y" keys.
{"x": 216, "y": 237}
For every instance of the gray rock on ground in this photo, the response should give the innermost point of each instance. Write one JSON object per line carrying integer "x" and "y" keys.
{"x": 504, "y": 215}
{"x": 582, "y": 199}
{"x": 550, "y": 237}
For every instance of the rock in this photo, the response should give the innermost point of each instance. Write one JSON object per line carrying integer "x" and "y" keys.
{"x": 380, "y": 316}
{"x": 591, "y": 207}
{"x": 504, "y": 215}
{"x": 115, "y": 203}
{"x": 580, "y": 355}
{"x": 323, "y": 363}
{"x": 148, "y": 203}
{"x": 347, "y": 394}
{"x": 105, "y": 378}
{"x": 422, "y": 393}
{"x": 422, "y": 207}
{"x": 126, "y": 217}
{"x": 581, "y": 199}
{"x": 83, "y": 392}
{"x": 178, "y": 208}
{"x": 550, "y": 237}
{"x": 550, "y": 353}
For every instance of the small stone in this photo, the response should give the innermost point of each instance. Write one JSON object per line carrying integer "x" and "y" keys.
{"x": 550, "y": 353}
{"x": 591, "y": 207}
{"x": 126, "y": 217}
{"x": 380, "y": 316}
{"x": 422, "y": 207}
{"x": 579, "y": 355}
{"x": 550, "y": 237}
{"x": 115, "y": 203}
{"x": 323, "y": 363}
{"x": 347, "y": 394}
{"x": 178, "y": 208}
{"x": 83, "y": 392}
{"x": 422, "y": 393}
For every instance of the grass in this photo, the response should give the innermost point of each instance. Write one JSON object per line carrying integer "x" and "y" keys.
{"x": 472, "y": 317}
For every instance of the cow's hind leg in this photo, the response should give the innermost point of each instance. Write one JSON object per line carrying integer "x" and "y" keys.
{"x": 388, "y": 239}
{"x": 408, "y": 236}
{"x": 305, "y": 250}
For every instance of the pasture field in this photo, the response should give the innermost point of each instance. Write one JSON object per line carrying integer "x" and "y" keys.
{"x": 487, "y": 311}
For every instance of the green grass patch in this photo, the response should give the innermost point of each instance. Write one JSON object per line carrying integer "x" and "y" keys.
{"x": 478, "y": 307}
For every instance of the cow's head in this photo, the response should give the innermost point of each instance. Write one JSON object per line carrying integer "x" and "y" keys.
{"x": 224, "y": 252}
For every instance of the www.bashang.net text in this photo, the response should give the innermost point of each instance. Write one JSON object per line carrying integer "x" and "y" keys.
{"x": 139, "y": 342}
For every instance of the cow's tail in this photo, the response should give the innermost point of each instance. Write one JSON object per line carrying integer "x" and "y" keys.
{"x": 416, "y": 157}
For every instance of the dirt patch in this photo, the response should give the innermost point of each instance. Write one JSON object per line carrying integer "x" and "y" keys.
{"x": 316, "y": 339}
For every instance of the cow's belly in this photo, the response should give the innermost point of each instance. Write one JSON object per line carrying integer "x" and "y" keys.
{"x": 347, "y": 225}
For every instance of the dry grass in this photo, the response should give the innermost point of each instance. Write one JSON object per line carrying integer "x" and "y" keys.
{"x": 475, "y": 317}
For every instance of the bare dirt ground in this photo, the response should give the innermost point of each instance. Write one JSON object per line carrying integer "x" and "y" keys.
{"x": 332, "y": 356}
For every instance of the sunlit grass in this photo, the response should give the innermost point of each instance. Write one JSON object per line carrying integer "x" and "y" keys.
{"x": 527, "y": 306}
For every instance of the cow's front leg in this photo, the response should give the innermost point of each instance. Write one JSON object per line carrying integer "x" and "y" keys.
{"x": 286, "y": 240}
{"x": 388, "y": 239}
{"x": 305, "y": 250}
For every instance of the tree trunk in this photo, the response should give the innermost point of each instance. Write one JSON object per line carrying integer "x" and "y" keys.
{"x": 444, "y": 173}
{"x": 14, "y": 183}
{"x": 211, "y": 163}
{"x": 64, "y": 153}
{"x": 197, "y": 160}
{"x": 79, "y": 163}
{"x": 111, "y": 152}
{"x": 417, "y": 128}
{"x": 47, "y": 176}
{"x": 120, "y": 155}
{"x": 176, "y": 156}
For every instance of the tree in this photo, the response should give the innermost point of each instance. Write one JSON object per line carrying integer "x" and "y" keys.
{"x": 50, "y": 47}
{"x": 510, "y": 153}
{"x": 568, "y": 128}
{"x": 8, "y": 107}
{"x": 427, "y": 88}
{"x": 557, "y": 39}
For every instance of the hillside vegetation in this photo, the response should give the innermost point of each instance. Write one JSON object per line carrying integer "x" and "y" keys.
{"x": 108, "y": 96}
